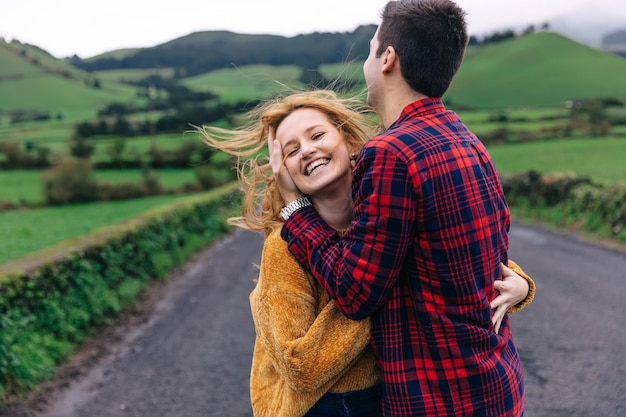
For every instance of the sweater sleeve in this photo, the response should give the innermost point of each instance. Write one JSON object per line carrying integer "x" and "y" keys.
{"x": 531, "y": 287}
{"x": 308, "y": 349}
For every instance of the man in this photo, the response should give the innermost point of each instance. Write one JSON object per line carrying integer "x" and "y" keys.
{"x": 428, "y": 233}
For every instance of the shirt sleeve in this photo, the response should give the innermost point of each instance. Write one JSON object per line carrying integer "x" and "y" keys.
{"x": 359, "y": 269}
{"x": 309, "y": 350}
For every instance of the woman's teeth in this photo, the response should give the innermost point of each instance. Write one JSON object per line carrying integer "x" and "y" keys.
{"x": 316, "y": 164}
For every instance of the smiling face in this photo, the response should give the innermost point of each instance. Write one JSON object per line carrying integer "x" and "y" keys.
{"x": 316, "y": 156}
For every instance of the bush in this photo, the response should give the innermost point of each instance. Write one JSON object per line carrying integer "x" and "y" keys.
{"x": 570, "y": 200}
{"x": 210, "y": 176}
{"x": 15, "y": 158}
{"x": 81, "y": 147}
{"x": 69, "y": 182}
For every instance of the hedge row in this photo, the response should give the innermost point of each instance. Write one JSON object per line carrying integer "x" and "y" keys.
{"x": 50, "y": 301}
{"x": 593, "y": 207}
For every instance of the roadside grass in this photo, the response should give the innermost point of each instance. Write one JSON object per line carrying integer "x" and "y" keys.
{"x": 591, "y": 229}
{"x": 27, "y": 231}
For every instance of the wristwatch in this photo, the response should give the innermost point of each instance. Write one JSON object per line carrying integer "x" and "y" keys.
{"x": 294, "y": 206}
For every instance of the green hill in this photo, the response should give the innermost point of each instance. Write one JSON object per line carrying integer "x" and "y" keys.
{"x": 33, "y": 80}
{"x": 540, "y": 69}
{"x": 200, "y": 52}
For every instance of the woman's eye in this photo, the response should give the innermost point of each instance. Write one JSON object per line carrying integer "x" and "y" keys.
{"x": 292, "y": 151}
{"x": 317, "y": 136}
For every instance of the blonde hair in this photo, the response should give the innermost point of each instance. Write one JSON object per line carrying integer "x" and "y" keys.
{"x": 262, "y": 202}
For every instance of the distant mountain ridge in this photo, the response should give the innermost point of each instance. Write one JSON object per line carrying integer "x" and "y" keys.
{"x": 201, "y": 52}
{"x": 615, "y": 42}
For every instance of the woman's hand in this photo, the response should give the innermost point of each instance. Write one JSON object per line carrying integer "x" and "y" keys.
{"x": 513, "y": 289}
{"x": 288, "y": 190}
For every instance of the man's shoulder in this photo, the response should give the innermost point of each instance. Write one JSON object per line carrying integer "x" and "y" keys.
{"x": 396, "y": 141}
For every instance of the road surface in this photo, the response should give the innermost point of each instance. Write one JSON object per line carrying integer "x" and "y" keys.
{"x": 192, "y": 355}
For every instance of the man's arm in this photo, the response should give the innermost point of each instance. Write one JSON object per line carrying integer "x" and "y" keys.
{"x": 359, "y": 269}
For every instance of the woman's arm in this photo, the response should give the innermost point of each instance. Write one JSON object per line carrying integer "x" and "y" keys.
{"x": 307, "y": 349}
{"x": 529, "y": 295}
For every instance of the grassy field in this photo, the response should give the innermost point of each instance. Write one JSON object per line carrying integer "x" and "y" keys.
{"x": 600, "y": 159}
{"x": 28, "y": 231}
{"x": 125, "y": 75}
{"x": 241, "y": 84}
{"x": 24, "y": 186}
{"x": 521, "y": 119}
{"x": 55, "y": 136}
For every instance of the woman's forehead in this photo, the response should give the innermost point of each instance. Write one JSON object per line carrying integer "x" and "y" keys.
{"x": 301, "y": 121}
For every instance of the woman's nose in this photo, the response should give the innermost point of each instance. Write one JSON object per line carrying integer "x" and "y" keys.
{"x": 306, "y": 150}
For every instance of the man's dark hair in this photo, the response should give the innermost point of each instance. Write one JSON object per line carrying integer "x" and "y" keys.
{"x": 430, "y": 37}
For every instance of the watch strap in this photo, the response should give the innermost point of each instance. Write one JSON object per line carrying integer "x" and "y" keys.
{"x": 294, "y": 206}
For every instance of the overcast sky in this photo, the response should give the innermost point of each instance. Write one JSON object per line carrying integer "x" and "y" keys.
{"x": 68, "y": 27}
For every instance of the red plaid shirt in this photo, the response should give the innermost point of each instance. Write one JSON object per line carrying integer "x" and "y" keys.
{"x": 421, "y": 256}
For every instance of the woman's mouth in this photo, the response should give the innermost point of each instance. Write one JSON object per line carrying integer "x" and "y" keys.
{"x": 316, "y": 164}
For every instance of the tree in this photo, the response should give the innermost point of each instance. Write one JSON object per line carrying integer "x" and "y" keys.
{"x": 81, "y": 147}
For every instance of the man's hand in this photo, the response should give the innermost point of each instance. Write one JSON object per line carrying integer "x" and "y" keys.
{"x": 513, "y": 289}
{"x": 288, "y": 190}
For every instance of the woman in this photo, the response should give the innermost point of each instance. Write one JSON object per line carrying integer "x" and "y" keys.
{"x": 310, "y": 360}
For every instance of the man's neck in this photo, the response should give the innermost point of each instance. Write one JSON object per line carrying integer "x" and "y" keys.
{"x": 395, "y": 103}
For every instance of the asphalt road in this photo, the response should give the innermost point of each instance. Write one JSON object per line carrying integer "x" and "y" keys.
{"x": 192, "y": 358}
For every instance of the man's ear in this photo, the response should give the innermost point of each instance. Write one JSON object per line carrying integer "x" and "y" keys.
{"x": 389, "y": 60}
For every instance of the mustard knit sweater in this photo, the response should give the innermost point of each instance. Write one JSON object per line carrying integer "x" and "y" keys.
{"x": 305, "y": 346}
